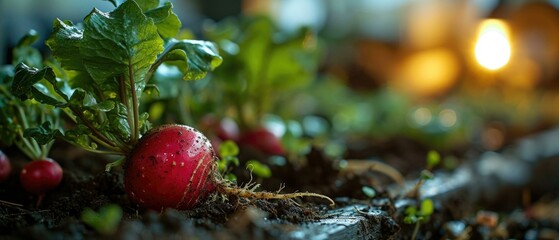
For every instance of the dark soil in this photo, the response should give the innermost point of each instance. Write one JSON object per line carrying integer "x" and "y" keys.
{"x": 87, "y": 185}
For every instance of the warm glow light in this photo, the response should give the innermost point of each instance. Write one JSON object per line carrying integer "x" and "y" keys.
{"x": 493, "y": 48}
{"x": 428, "y": 73}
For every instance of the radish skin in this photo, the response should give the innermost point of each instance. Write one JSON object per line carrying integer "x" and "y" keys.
{"x": 170, "y": 167}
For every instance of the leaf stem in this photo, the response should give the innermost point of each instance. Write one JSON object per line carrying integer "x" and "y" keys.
{"x": 94, "y": 130}
{"x": 28, "y": 148}
{"x": 112, "y": 152}
{"x": 124, "y": 100}
{"x": 116, "y": 163}
{"x": 32, "y": 145}
{"x": 136, "y": 132}
{"x": 104, "y": 144}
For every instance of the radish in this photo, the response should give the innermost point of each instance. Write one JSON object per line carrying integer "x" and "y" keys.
{"x": 174, "y": 166}
{"x": 170, "y": 167}
{"x": 263, "y": 140}
{"x": 40, "y": 176}
{"x": 5, "y": 167}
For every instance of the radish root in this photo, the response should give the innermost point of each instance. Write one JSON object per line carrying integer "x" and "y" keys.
{"x": 250, "y": 193}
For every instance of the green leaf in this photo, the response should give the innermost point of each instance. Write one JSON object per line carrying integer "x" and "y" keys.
{"x": 25, "y": 53}
{"x": 433, "y": 159}
{"x": 231, "y": 177}
{"x": 168, "y": 23}
{"x": 427, "y": 208}
{"x": 104, "y": 106}
{"x": 146, "y": 5}
{"x": 80, "y": 136}
{"x": 43, "y": 134}
{"x": 166, "y": 79}
{"x": 122, "y": 42}
{"x": 105, "y": 221}
{"x": 118, "y": 121}
{"x": 259, "y": 169}
{"x": 410, "y": 219}
{"x": 24, "y": 85}
{"x": 368, "y": 191}
{"x": 65, "y": 44}
{"x": 411, "y": 210}
{"x": 31, "y": 37}
{"x": 198, "y": 59}
{"x": 228, "y": 149}
{"x": 292, "y": 62}
{"x": 145, "y": 124}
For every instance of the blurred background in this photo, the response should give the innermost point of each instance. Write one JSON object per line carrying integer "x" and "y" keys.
{"x": 443, "y": 72}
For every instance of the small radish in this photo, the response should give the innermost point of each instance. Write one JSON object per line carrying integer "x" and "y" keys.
{"x": 40, "y": 176}
{"x": 5, "y": 167}
{"x": 174, "y": 166}
{"x": 262, "y": 140}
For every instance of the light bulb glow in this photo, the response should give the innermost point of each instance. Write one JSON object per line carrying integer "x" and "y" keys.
{"x": 493, "y": 48}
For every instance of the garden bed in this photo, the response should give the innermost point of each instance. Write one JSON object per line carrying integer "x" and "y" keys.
{"x": 459, "y": 195}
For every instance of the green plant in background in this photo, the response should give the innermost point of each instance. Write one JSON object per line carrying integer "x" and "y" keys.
{"x": 259, "y": 169}
{"x": 22, "y": 122}
{"x": 18, "y": 118}
{"x": 262, "y": 66}
{"x": 228, "y": 151}
{"x": 105, "y": 221}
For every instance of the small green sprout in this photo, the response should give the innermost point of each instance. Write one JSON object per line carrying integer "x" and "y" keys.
{"x": 259, "y": 169}
{"x": 369, "y": 191}
{"x": 433, "y": 159}
{"x": 228, "y": 151}
{"x": 418, "y": 216}
{"x": 105, "y": 221}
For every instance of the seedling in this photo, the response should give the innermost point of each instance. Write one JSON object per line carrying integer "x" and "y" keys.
{"x": 433, "y": 159}
{"x": 418, "y": 216}
{"x": 108, "y": 61}
{"x": 105, "y": 221}
{"x": 228, "y": 152}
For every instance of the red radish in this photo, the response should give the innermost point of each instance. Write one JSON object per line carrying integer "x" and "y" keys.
{"x": 171, "y": 166}
{"x": 40, "y": 176}
{"x": 263, "y": 140}
{"x": 174, "y": 166}
{"x": 5, "y": 167}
